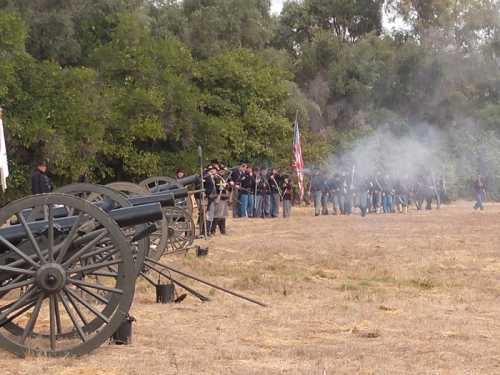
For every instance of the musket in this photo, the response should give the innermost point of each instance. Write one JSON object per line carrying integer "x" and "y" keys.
{"x": 200, "y": 155}
{"x": 255, "y": 195}
{"x": 275, "y": 183}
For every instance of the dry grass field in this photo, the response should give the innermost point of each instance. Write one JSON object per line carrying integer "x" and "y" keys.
{"x": 415, "y": 294}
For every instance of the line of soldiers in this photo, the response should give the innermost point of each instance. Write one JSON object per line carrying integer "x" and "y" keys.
{"x": 374, "y": 194}
{"x": 260, "y": 192}
{"x": 251, "y": 193}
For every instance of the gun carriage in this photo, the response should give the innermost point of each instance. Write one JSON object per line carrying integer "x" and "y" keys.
{"x": 69, "y": 262}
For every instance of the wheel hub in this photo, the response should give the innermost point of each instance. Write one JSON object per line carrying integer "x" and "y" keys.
{"x": 51, "y": 277}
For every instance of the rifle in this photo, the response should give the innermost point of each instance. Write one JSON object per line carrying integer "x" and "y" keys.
{"x": 200, "y": 155}
{"x": 275, "y": 183}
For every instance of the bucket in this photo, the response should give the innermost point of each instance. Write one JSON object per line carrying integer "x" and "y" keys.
{"x": 123, "y": 336}
{"x": 165, "y": 293}
{"x": 201, "y": 251}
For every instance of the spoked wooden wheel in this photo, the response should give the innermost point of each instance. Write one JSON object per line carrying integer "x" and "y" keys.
{"x": 181, "y": 229}
{"x": 108, "y": 199}
{"x": 158, "y": 239}
{"x": 47, "y": 276}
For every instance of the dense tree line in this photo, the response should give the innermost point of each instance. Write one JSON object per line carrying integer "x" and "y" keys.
{"x": 123, "y": 89}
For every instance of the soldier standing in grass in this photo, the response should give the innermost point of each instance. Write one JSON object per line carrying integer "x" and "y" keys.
{"x": 234, "y": 183}
{"x": 480, "y": 192}
{"x": 261, "y": 198}
{"x": 287, "y": 189}
{"x": 211, "y": 194}
{"x": 317, "y": 184}
{"x": 220, "y": 205}
{"x": 274, "y": 181}
{"x": 247, "y": 190}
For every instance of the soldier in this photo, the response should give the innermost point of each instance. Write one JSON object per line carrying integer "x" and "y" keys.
{"x": 275, "y": 193}
{"x": 220, "y": 205}
{"x": 378, "y": 192}
{"x": 247, "y": 189}
{"x": 429, "y": 192}
{"x": 388, "y": 194}
{"x": 325, "y": 197}
{"x": 179, "y": 173}
{"x": 402, "y": 188}
{"x": 287, "y": 189}
{"x": 40, "y": 182}
{"x": 234, "y": 183}
{"x": 480, "y": 192}
{"x": 262, "y": 196}
{"x": 333, "y": 192}
{"x": 344, "y": 194}
{"x": 364, "y": 196}
{"x": 316, "y": 187}
{"x": 211, "y": 193}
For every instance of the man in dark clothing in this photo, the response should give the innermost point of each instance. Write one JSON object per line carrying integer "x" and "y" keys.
{"x": 317, "y": 184}
{"x": 211, "y": 193}
{"x": 287, "y": 188}
{"x": 325, "y": 197}
{"x": 388, "y": 194}
{"x": 247, "y": 190}
{"x": 40, "y": 182}
{"x": 364, "y": 195}
{"x": 429, "y": 192}
{"x": 333, "y": 192}
{"x": 402, "y": 188}
{"x": 419, "y": 192}
{"x": 262, "y": 198}
{"x": 234, "y": 184}
{"x": 344, "y": 195}
{"x": 274, "y": 181}
{"x": 480, "y": 192}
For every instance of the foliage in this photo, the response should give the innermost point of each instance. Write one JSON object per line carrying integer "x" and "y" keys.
{"x": 124, "y": 89}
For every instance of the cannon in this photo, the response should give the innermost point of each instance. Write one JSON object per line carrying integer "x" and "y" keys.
{"x": 69, "y": 264}
{"x": 177, "y": 228}
{"x": 162, "y": 183}
{"x": 66, "y": 282}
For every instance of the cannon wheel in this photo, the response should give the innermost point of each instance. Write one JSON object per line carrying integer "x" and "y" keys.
{"x": 154, "y": 182}
{"x": 158, "y": 239}
{"x": 48, "y": 279}
{"x": 95, "y": 193}
{"x": 181, "y": 229}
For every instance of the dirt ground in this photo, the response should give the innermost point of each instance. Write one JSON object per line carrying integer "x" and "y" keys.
{"x": 415, "y": 294}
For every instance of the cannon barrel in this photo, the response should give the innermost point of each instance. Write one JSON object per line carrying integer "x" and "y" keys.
{"x": 189, "y": 180}
{"x": 127, "y": 216}
{"x": 165, "y": 198}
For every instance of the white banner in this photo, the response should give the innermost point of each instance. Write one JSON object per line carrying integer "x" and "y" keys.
{"x": 4, "y": 167}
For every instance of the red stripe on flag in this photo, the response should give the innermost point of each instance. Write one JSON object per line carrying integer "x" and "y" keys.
{"x": 298, "y": 162}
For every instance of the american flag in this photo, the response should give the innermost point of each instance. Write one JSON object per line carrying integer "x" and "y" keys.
{"x": 298, "y": 162}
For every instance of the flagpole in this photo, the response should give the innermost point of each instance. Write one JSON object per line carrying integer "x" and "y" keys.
{"x": 4, "y": 167}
